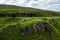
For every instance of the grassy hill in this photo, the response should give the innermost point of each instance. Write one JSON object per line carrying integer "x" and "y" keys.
{"x": 23, "y": 23}
{"x": 16, "y": 11}
{"x": 13, "y": 28}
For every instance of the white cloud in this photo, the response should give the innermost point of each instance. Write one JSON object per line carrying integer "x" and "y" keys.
{"x": 44, "y": 4}
{"x": 12, "y": 2}
{"x": 41, "y": 4}
{"x": 20, "y": 1}
{"x": 2, "y": 1}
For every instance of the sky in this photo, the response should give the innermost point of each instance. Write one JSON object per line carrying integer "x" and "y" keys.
{"x": 40, "y": 4}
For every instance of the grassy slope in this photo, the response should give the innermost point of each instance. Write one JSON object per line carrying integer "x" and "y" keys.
{"x": 13, "y": 33}
{"x": 10, "y": 27}
{"x": 26, "y": 12}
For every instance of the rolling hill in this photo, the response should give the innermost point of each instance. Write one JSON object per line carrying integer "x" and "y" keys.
{"x": 30, "y": 28}
{"x": 23, "y": 23}
{"x": 16, "y": 11}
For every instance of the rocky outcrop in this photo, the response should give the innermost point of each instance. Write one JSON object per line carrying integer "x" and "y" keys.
{"x": 37, "y": 27}
{"x": 52, "y": 21}
{"x": 24, "y": 31}
{"x": 42, "y": 27}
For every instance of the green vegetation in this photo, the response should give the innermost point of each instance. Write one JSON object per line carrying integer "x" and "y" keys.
{"x": 22, "y": 23}
{"x": 12, "y": 27}
{"x": 15, "y": 11}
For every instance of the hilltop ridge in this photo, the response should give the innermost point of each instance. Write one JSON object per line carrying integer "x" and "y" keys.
{"x": 16, "y": 11}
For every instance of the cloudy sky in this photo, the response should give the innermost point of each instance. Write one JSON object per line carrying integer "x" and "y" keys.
{"x": 40, "y": 4}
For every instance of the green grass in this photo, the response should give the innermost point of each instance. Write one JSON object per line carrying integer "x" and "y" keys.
{"x": 16, "y": 11}
{"x": 11, "y": 29}
{"x": 13, "y": 18}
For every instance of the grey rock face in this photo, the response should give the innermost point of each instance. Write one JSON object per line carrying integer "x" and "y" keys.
{"x": 52, "y": 21}
{"x": 30, "y": 29}
{"x": 24, "y": 31}
{"x": 37, "y": 27}
{"x": 41, "y": 27}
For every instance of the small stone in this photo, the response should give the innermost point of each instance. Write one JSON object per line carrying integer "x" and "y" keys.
{"x": 52, "y": 21}
{"x": 24, "y": 31}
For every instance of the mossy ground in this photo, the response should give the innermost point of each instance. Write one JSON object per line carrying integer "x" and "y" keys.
{"x": 16, "y": 11}
{"x": 10, "y": 28}
{"x": 13, "y": 18}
